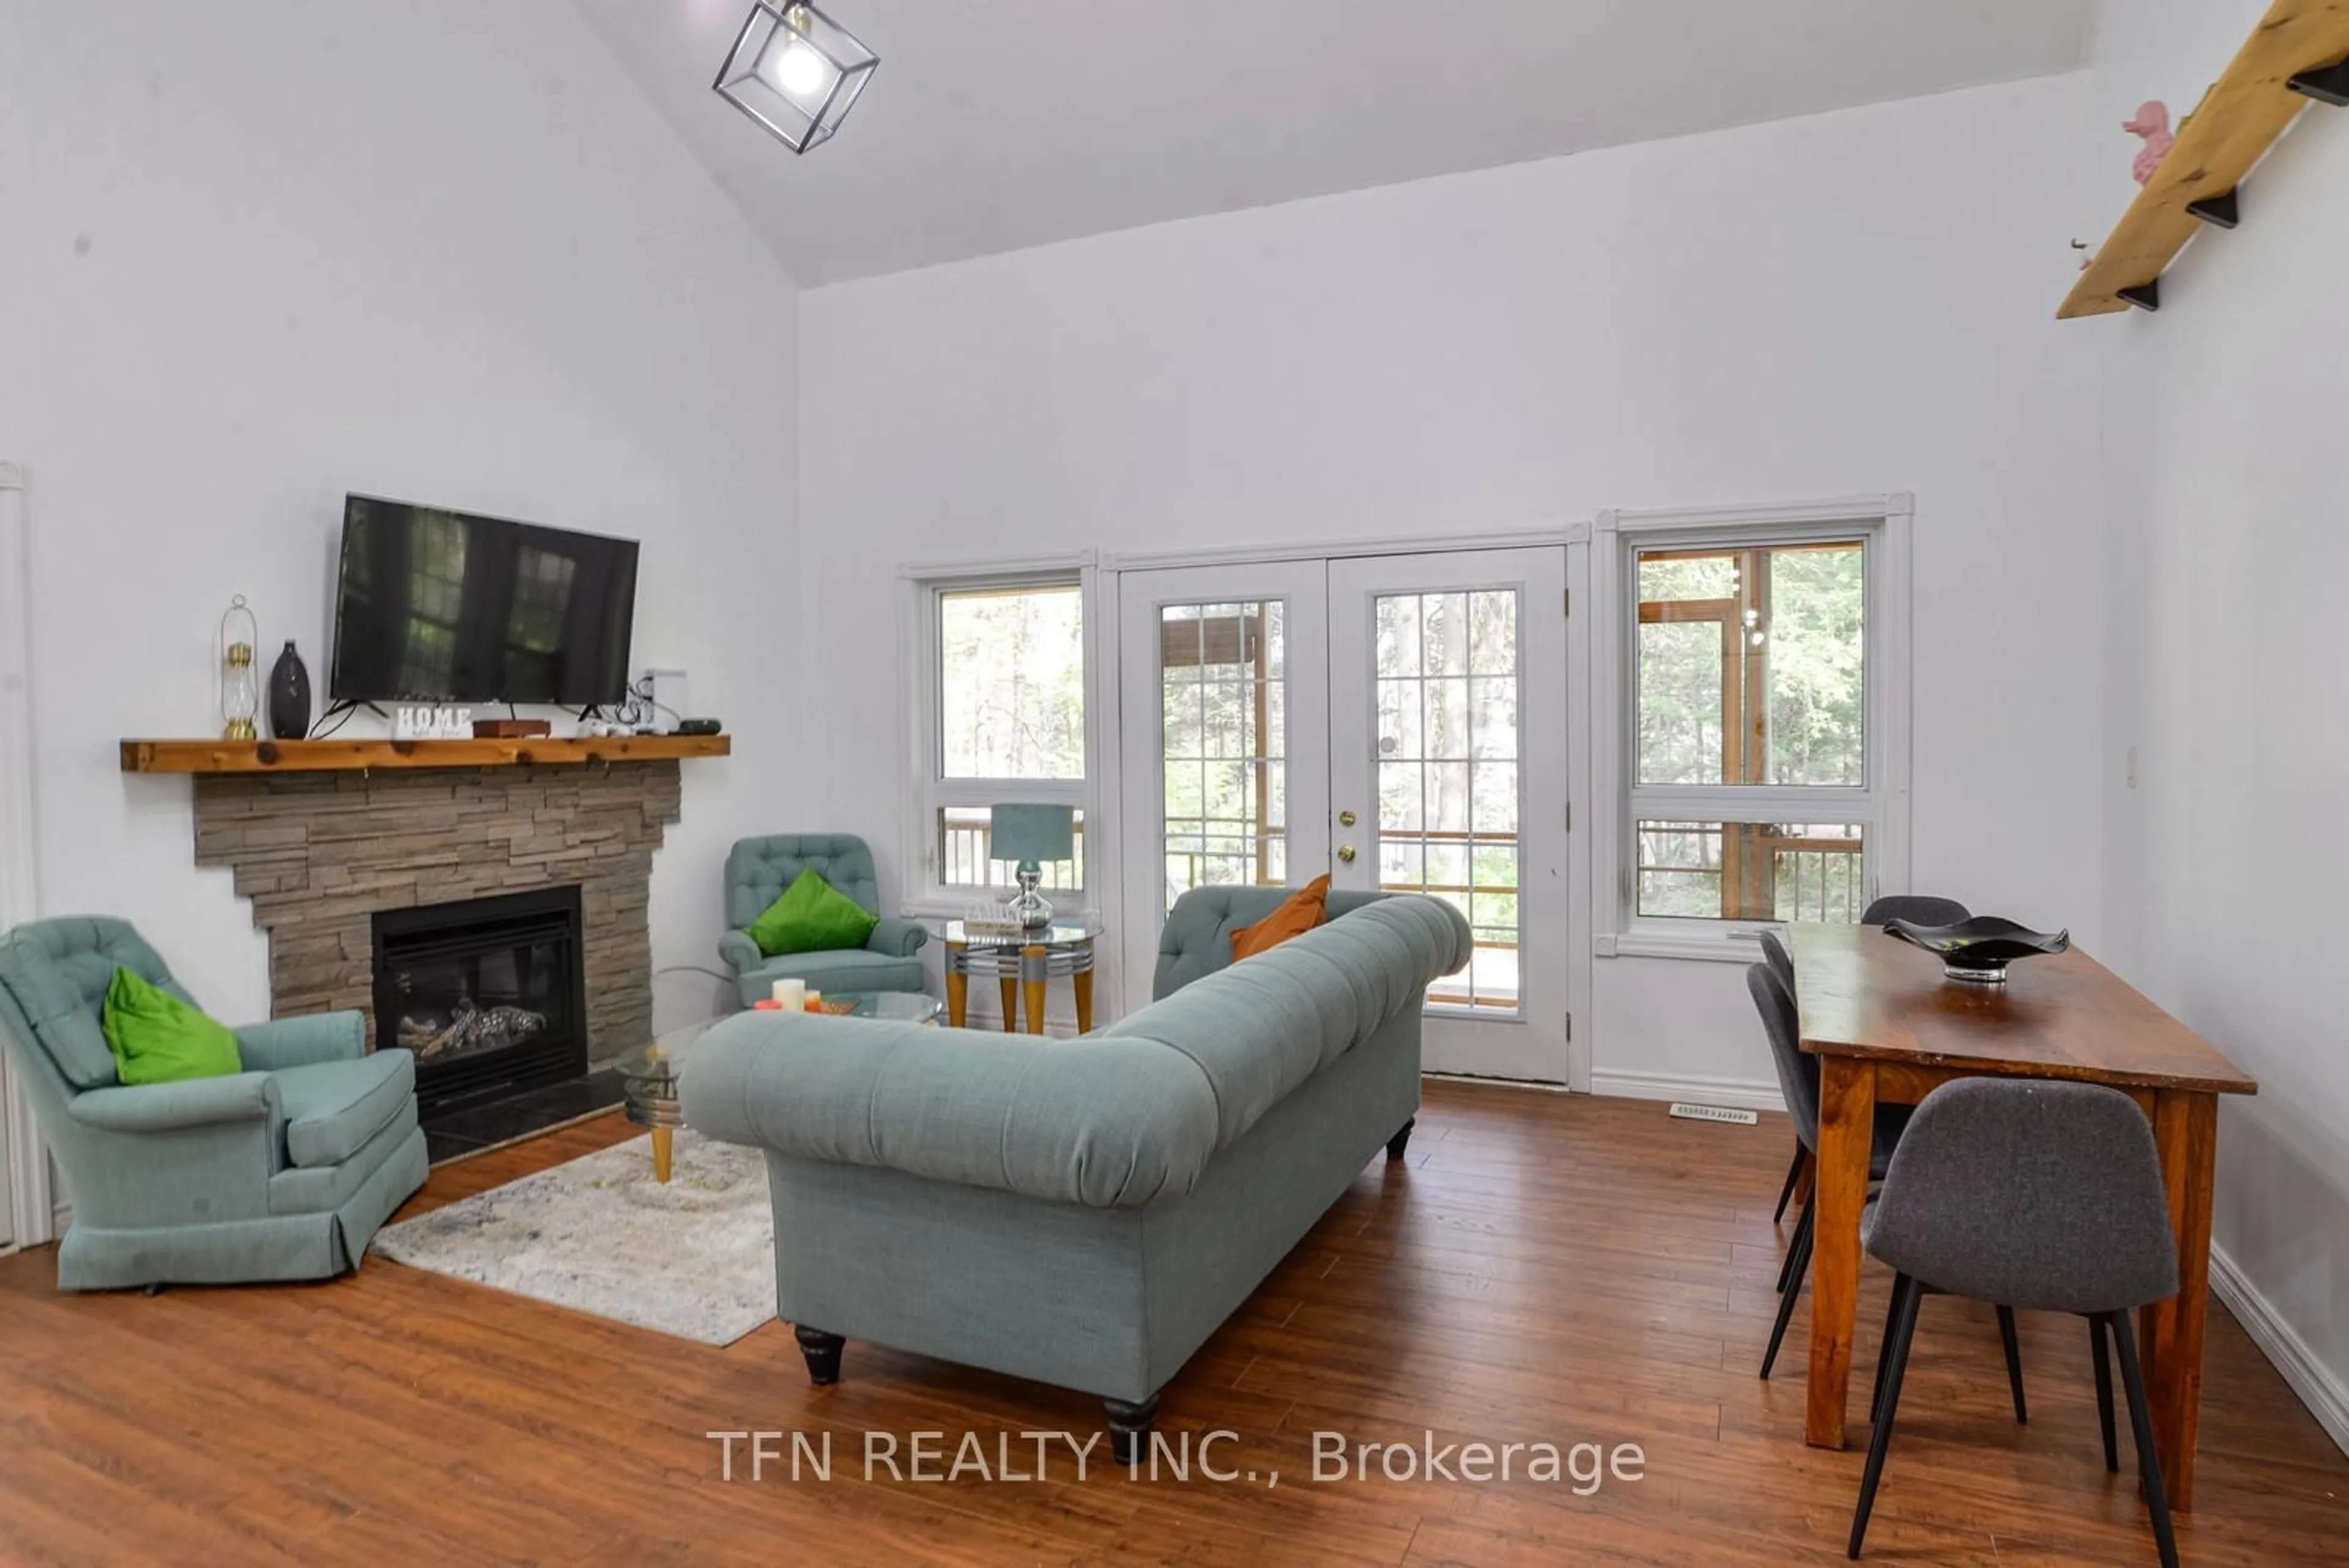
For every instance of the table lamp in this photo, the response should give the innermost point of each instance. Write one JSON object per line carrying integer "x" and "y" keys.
{"x": 1031, "y": 835}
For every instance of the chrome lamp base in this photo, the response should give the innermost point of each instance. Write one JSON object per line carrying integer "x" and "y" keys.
{"x": 1031, "y": 908}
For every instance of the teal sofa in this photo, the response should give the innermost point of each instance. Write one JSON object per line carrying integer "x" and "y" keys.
{"x": 1083, "y": 1213}
{"x": 280, "y": 1172}
{"x": 757, "y": 872}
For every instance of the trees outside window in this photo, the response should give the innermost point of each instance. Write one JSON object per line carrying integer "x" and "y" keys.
{"x": 1750, "y": 674}
{"x": 1007, "y": 725}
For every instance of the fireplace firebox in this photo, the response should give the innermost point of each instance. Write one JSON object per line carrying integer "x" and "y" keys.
{"x": 489, "y": 993}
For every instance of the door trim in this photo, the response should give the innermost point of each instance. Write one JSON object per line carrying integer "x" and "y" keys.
{"x": 31, "y": 1204}
{"x": 1404, "y": 545}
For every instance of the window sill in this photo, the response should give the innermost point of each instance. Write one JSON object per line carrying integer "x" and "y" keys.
{"x": 1729, "y": 947}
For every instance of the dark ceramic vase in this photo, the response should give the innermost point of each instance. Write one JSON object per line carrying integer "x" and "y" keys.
{"x": 289, "y": 697}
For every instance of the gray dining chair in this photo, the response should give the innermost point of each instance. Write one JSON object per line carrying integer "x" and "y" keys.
{"x": 1798, "y": 1083}
{"x": 1918, "y": 909}
{"x": 2040, "y": 1195}
{"x": 1782, "y": 964}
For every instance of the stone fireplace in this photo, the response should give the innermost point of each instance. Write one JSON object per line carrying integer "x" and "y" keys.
{"x": 328, "y": 858}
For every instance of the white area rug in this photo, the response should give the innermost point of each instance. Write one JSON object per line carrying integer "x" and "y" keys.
{"x": 695, "y": 1258}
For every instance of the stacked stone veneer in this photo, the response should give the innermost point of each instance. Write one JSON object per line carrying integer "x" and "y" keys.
{"x": 319, "y": 853}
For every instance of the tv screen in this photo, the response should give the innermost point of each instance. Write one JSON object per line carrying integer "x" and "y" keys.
{"x": 441, "y": 606}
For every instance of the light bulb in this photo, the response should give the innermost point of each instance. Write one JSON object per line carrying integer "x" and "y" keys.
{"x": 801, "y": 71}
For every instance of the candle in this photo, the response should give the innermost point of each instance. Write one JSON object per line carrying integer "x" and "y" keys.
{"x": 791, "y": 995}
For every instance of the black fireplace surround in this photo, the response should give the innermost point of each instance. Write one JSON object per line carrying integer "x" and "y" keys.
{"x": 488, "y": 992}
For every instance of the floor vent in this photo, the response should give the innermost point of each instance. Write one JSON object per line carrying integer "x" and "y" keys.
{"x": 1714, "y": 1114}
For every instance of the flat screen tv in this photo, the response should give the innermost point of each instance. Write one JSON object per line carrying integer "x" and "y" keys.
{"x": 442, "y": 607}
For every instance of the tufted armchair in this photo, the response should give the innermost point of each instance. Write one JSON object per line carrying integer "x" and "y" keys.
{"x": 757, "y": 872}
{"x": 282, "y": 1171}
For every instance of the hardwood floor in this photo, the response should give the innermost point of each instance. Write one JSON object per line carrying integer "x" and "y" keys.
{"x": 1540, "y": 1269}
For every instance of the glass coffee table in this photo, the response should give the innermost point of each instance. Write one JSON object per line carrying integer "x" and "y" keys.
{"x": 649, "y": 1074}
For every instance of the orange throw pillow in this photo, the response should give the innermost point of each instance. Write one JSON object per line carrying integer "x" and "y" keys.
{"x": 1300, "y": 913}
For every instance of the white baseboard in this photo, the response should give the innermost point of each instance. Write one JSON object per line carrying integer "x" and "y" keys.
{"x": 2326, "y": 1398}
{"x": 1745, "y": 1093}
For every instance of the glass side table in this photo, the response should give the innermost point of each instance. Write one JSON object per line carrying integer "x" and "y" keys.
{"x": 1020, "y": 962}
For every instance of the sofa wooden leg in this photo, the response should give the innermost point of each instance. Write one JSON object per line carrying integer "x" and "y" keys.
{"x": 1129, "y": 1427}
{"x": 1401, "y": 1139}
{"x": 821, "y": 1352}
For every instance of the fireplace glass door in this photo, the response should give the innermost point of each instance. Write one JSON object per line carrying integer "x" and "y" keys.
{"x": 487, "y": 993}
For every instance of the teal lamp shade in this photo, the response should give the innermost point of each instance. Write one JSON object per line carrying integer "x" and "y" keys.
{"x": 1029, "y": 834}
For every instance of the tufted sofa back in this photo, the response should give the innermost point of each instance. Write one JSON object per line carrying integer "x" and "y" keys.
{"x": 1114, "y": 1120}
{"x": 1196, "y": 939}
{"x": 758, "y": 869}
{"x": 56, "y": 973}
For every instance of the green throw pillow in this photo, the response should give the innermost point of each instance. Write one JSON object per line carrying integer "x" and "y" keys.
{"x": 812, "y": 916}
{"x": 156, "y": 1038}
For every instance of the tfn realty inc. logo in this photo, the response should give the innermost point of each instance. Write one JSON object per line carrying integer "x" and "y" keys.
{"x": 1215, "y": 1456}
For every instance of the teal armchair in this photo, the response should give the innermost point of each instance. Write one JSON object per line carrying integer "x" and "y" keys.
{"x": 757, "y": 872}
{"x": 282, "y": 1171}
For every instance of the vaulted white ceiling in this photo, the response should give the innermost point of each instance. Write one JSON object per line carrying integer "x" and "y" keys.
{"x": 993, "y": 125}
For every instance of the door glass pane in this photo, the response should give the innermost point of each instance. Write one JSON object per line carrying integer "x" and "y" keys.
{"x": 1751, "y": 666}
{"x": 1222, "y": 807}
{"x": 1447, "y": 669}
{"x": 1752, "y": 870}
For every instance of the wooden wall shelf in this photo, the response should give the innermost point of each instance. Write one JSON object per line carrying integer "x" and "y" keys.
{"x": 350, "y": 756}
{"x": 2237, "y": 121}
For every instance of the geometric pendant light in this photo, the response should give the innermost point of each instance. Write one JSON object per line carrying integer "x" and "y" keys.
{"x": 795, "y": 72}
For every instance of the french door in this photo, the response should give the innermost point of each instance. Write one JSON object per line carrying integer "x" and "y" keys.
{"x": 1397, "y": 721}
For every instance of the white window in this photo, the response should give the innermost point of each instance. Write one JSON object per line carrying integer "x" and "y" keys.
{"x": 1759, "y": 727}
{"x": 1002, "y": 721}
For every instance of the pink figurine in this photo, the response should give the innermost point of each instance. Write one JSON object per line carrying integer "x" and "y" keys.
{"x": 2152, "y": 122}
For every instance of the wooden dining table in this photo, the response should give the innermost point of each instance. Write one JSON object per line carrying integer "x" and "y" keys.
{"x": 1888, "y": 1028}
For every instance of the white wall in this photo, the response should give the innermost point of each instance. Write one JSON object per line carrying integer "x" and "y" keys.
{"x": 2222, "y": 437}
{"x": 1859, "y": 301}
{"x": 274, "y": 251}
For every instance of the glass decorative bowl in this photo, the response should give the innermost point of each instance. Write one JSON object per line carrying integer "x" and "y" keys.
{"x": 1978, "y": 951}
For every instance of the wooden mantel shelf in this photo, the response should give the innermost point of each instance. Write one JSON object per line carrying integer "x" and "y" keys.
{"x": 349, "y": 756}
{"x": 2237, "y": 121}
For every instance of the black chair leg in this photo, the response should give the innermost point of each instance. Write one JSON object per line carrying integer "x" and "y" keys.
{"x": 1802, "y": 1229}
{"x": 2104, "y": 1393}
{"x": 2157, "y": 1500}
{"x": 1906, "y": 1293}
{"x": 1794, "y": 1175}
{"x": 1884, "y": 1358}
{"x": 1798, "y": 1268}
{"x": 2013, "y": 1364}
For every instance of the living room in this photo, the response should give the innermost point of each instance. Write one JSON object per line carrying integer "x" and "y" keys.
{"x": 1637, "y": 501}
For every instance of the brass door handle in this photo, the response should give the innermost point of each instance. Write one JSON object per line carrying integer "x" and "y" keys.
{"x": 1345, "y": 819}
{"x": 1346, "y": 853}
